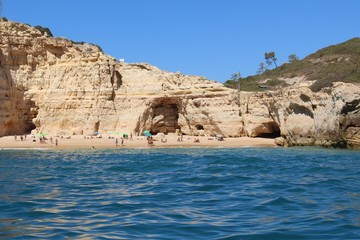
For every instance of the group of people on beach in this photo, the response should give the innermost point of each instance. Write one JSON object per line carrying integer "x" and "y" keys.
{"x": 22, "y": 137}
{"x": 103, "y": 142}
{"x": 117, "y": 142}
{"x": 150, "y": 141}
{"x": 42, "y": 139}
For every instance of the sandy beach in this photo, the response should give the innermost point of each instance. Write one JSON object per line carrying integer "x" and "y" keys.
{"x": 109, "y": 142}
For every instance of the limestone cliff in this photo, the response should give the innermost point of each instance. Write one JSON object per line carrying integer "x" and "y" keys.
{"x": 57, "y": 86}
{"x": 303, "y": 118}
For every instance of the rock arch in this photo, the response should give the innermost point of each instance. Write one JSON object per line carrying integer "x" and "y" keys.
{"x": 272, "y": 130}
{"x": 266, "y": 129}
{"x": 162, "y": 116}
{"x": 165, "y": 118}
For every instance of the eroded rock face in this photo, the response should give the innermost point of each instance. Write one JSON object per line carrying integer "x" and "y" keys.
{"x": 54, "y": 86}
{"x": 327, "y": 118}
{"x": 57, "y": 86}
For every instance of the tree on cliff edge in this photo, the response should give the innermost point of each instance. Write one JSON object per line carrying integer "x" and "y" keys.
{"x": 270, "y": 58}
{"x": 236, "y": 77}
{"x": 262, "y": 69}
{"x": 234, "y": 81}
{"x": 293, "y": 58}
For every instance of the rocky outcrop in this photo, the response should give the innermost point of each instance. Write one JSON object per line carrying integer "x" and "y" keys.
{"x": 60, "y": 87}
{"x": 302, "y": 118}
{"x": 55, "y": 86}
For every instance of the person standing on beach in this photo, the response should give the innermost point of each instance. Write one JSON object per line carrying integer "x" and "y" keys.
{"x": 56, "y": 142}
{"x": 116, "y": 142}
{"x": 122, "y": 141}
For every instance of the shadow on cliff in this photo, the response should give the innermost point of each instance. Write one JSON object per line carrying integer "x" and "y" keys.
{"x": 160, "y": 117}
{"x": 16, "y": 110}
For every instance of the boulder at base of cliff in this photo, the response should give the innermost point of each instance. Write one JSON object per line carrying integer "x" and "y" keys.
{"x": 280, "y": 141}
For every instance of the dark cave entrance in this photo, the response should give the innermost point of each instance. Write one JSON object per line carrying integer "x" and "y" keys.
{"x": 97, "y": 126}
{"x": 199, "y": 127}
{"x": 165, "y": 118}
{"x": 274, "y": 130}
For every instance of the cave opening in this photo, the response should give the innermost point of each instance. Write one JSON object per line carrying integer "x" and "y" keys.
{"x": 199, "y": 127}
{"x": 165, "y": 118}
{"x": 274, "y": 131}
{"x": 29, "y": 127}
{"x": 116, "y": 79}
{"x": 97, "y": 126}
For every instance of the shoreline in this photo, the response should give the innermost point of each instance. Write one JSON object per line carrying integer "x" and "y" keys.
{"x": 107, "y": 142}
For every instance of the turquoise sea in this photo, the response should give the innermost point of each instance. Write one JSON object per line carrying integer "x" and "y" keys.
{"x": 183, "y": 193}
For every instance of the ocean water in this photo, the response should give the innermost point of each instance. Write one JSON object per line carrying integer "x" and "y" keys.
{"x": 183, "y": 193}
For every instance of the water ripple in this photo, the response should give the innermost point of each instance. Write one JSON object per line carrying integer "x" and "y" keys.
{"x": 252, "y": 193}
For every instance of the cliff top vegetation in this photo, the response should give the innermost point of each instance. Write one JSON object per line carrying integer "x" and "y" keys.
{"x": 336, "y": 63}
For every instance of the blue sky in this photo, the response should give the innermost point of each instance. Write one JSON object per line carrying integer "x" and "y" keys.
{"x": 210, "y": 38}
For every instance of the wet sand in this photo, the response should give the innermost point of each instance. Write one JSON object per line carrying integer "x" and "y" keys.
{"x": 81, "y": 142}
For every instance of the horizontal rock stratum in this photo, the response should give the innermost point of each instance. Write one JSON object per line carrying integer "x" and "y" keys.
{"x": 56, "y": 86}
{"x": 327, "y": 118}
{"x": 60, "y": 87}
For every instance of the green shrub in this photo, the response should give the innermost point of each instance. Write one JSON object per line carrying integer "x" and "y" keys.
{"x": 337, "y": 63}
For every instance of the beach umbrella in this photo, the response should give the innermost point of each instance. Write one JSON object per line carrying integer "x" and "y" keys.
{"x": 96, "y": 133}
{"x": 116, "y": 133}
{"x": 147, "y": 133}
